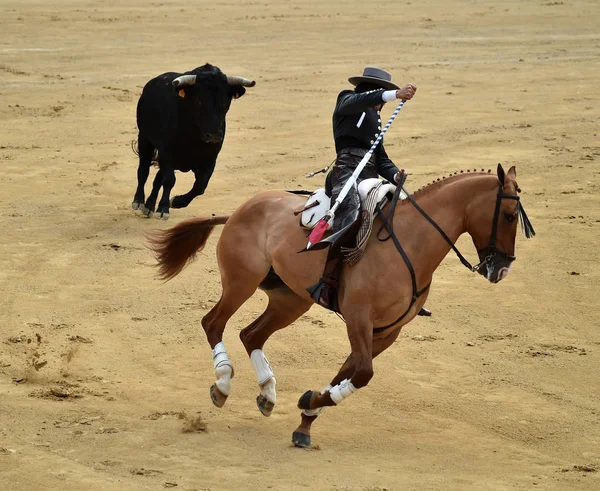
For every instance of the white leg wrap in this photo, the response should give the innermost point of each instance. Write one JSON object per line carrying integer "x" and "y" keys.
{"x": 319, "y": 410}
{"x": 268, "y": 390}
{"x": 261, "y": 366}
{"x": 223, "y": 369}
{"x": 219, "y": 354}
{"x": 341, "y": 391}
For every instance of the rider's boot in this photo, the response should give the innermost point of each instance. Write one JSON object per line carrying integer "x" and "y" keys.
{"x": 325, "y": 291}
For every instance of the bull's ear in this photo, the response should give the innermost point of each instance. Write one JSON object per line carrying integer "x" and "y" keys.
{"x": 501, "y": 175}
{"x": 181, "y": 92}
{"x": 237, "y": 91}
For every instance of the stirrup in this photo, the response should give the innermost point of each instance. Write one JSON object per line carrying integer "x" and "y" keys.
{"x": 320, "y": 288}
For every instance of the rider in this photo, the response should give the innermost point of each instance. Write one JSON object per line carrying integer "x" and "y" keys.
{"x": 356, "y": 125}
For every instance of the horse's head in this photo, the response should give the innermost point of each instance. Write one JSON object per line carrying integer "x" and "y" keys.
{"x": 492, "y": 223}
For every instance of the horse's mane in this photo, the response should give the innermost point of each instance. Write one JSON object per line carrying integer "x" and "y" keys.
{"x": 453, "y": 177}
{"x": 460, "y": 175}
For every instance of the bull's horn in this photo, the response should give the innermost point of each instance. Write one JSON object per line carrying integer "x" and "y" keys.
{"x": 184, "y": 80}
{"x": 240, "y": 81}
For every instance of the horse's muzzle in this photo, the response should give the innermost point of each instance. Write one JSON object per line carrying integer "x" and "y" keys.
{"x": 495, "y": 271}
{"x": 502, "y": 273}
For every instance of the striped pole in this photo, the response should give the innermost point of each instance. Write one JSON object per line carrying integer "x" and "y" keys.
{"x": 321, "y": 227}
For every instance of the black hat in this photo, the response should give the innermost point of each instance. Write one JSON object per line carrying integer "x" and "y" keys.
{"x": 375, "y": 76}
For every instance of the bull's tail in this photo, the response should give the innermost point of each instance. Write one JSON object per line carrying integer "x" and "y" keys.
{"x": 134, "y": 147}
{"x": 176, "y": 247}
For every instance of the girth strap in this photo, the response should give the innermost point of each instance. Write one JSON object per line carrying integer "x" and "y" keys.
{"x": 388, "y": 225}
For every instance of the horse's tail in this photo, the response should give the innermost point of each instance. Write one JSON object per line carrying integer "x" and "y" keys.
{"x": 176, "y": 247}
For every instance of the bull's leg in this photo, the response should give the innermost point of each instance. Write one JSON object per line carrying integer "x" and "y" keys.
{"x": 168, "y": 182}
{"x": 301, "y": 436}
{"x": 202, "y": 177}
{"x": 148, "y": 208}
{"x": 283, "y": 309}
{"x": 146, "y": 151}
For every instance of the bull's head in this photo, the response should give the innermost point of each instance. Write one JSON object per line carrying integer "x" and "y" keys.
{"x": 206, "y": 95}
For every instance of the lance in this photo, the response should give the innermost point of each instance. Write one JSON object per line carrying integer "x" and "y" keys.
{"x": 319, "y": 230}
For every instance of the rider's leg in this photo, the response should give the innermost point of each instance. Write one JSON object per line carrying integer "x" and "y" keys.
{"x": 345, "y": 227}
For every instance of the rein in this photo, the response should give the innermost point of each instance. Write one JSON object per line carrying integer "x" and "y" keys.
{"x": 491, "y": 248}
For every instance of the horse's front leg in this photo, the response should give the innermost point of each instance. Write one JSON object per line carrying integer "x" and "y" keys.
{"x": 360, "y": 334}
{"x": 301, "y": 436}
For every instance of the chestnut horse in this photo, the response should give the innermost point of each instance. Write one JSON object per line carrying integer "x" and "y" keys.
{"x": 259, "y": 246}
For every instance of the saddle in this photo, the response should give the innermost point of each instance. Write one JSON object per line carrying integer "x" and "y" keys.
{"x": 372, "y": 192}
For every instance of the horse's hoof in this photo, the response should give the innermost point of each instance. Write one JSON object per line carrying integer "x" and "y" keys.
{"x": 217, "y": 397}
{"x": 304, "y": 401}
{"x": 162, "y": 216}
{"x": 264, "y": 405}
{"x": 301, "y": 440}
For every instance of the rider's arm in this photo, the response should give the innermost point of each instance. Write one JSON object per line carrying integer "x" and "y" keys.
{"x": 349, "y": 102}
{"x": 385, "y": 167}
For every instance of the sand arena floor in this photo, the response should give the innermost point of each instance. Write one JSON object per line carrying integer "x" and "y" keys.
{"x": 102, "y": 366}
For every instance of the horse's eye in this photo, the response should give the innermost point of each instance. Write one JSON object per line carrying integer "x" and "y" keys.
{"x": 509, "y": 217}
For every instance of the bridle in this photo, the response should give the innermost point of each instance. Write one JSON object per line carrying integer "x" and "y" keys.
{"x": 490, "y": 251}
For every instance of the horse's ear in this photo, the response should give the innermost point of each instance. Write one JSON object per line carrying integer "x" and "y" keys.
{"x": 512, "y": 173}
{"x": 501, "y": 174}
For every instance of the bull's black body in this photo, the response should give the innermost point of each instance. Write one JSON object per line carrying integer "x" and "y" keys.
{"x": 186, "y": 125}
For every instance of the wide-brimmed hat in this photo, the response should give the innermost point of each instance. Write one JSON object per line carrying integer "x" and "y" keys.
{"x": 375, "y": 76}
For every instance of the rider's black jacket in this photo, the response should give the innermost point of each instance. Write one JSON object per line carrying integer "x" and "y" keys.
{"x": 357, "y": 124}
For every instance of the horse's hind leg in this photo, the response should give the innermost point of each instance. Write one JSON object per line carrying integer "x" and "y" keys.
{"x": 283, "y": 309}
{"x": 243, "y": 267}
{"x": 233, "y": 296}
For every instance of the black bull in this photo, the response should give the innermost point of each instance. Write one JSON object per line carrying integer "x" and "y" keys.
{"x": 181, "y": 117}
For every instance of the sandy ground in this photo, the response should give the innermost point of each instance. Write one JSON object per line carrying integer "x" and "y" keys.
{"x": 102, "y": 367}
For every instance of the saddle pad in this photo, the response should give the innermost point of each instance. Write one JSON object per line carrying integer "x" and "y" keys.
{"x": 386, "y": 187}
{"x": 317, "y": 205}
{"x": 372, "y": 193}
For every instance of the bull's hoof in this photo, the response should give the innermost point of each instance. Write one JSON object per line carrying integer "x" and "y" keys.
{"x": 301, "y": 440}
{"x": 137, "y": 205}
{"x": 304, "y": 401}
{"x": 179, "y": 202}
{"x": 217, "y": 397}
{"x": 161, "y": 216}
{"x": 264, "y": 405}
{"x": 147, "y": 212}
